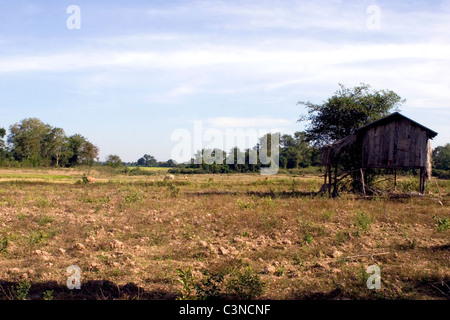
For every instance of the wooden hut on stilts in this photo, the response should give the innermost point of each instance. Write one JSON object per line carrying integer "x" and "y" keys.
{"x": 392, "y": 142}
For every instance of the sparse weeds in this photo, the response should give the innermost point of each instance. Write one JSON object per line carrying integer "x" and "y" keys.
{"x": 37, "y": 237}
{"x": 44, "y": 203}
{"x": 243, "y": 205}
{"x": 21, "y": 290}
{"x": 297, "y": 261}
{"x": 237, "y": 283}
{"x": 327, "y": 215}
{"x": 159, "y": 232}
{"x": 308, "y": 238}
{"x": 362, "y": 274}
{"x": 363, "y": 220}
{"x": 174, "y": 191}
{"x": 4, "y": 241}
{"x": 188, "y": 284}
{"x": 245, "y": 284}
{"x": 408, "y": 185}
{"x": 44, "y": 219}
{"x": 270, "y": 221}
{"x": 134, "y": 197}
{"x": 210, "y": 287}
{"x": 98, "y": 200}
{"x": 341, "y": 237}
{"x": 48, "y": 295}
{"x": 268, "y": 203}
{"x": 442, "y": 223}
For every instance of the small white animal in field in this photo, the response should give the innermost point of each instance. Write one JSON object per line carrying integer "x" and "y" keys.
{"x": 169, "y": 177}
{"x": 90, "y": 179}
{"x": 185, "y": 177}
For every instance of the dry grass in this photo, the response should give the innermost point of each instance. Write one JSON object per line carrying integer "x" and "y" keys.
{"x": 129, "y": 235}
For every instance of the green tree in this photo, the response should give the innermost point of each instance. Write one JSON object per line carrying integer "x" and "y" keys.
{"x": 339, "y": 116}
{"x": 81, "y": 150}
{"x": 290, "y": 153}
{"x": 147, "y": 161}
{"x": 441, "y": 157}
{"x": 54, "y": 145}
{"x": 114, "y": 161}
{"x": 26, "y": 138}
{"x": 2, "y": 135}
{"x": 169, "y": 163}
{"x": 3, "y": 150}
{"x": 346, "y": 111}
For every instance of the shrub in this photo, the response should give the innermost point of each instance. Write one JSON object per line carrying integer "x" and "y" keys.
{"x": 210, "y": 287}
{"x": 47, "y": 295}
{"x": 363, "y": 220}
{"x": 20, "y": 291}
{"x": 245, "y": 284}
{"x": 174, "y": 191}
{"x": 187, "y": 280}
{"x": 408, "y": 185}
{"x": 442, "y": 224}
{"x": 139, "y": 172}
{"x": 441, "y": 174}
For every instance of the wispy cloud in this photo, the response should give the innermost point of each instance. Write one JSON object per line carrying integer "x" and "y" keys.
{"x": 248, "y": 122}
{"x": 250, "y": 60}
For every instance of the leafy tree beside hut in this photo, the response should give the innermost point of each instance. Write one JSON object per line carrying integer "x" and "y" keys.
{"x": 357, "y": 131}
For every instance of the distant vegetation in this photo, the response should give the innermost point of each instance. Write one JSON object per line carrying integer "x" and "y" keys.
{"x": 31, "y": 143}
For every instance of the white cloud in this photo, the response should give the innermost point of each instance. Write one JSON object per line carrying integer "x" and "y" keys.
{"x": 240, "y": 56}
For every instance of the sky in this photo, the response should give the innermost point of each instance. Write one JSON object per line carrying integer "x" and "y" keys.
{"x": 130, "y": 75}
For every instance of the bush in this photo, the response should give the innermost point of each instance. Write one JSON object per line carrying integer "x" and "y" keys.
{"x": 441, "y": 174}
{"x": 408, "y": 185}
{"x": 245, "y": 284}
{"x": 139, "y": 172}
{"x": 188, "y": 283}
{"x": 442, "y": 224}
{"x": 363, "y": 221}
{"x": 20, "y": 291}
{"x": 210, "y": 286}
{"x": 186, "y": 171}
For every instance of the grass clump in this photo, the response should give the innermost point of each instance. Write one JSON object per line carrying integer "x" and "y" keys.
{"x": 442, "y": 224}
{"x": 188, "y": 285}
{"x": 47, "y": 295}
{"x": 363, "y": 220}
{"x": 3, "y": 243}
{"x": 21, "y": 290}
{"x": 245, "y": 284}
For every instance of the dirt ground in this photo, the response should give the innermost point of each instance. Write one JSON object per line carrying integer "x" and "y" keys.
{"x": 216, "y": 237}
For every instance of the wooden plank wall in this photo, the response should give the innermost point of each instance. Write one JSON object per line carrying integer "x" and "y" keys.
{"x": 397, "y": 144}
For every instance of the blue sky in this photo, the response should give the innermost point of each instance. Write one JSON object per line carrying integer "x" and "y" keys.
{"x": 136, "y": 71}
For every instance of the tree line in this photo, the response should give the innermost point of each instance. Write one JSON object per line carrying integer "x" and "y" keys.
{"x": 30, "y": 142}
{"x": 33, "y": 143}
{"x": 294, "y": 152}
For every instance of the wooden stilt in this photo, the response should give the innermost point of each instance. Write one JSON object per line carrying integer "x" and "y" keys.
{"x": 362, "y": 182}
{"x": 335, "y": 191}
{"x": 395, "y": 179}
{"x": 329, "y": 181}
{"x": 422, "y": 180}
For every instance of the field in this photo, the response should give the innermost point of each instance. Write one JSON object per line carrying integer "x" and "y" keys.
{"x": 216, "y": 236}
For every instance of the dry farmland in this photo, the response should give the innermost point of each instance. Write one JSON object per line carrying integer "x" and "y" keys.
{"x": 231, "y": 237}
